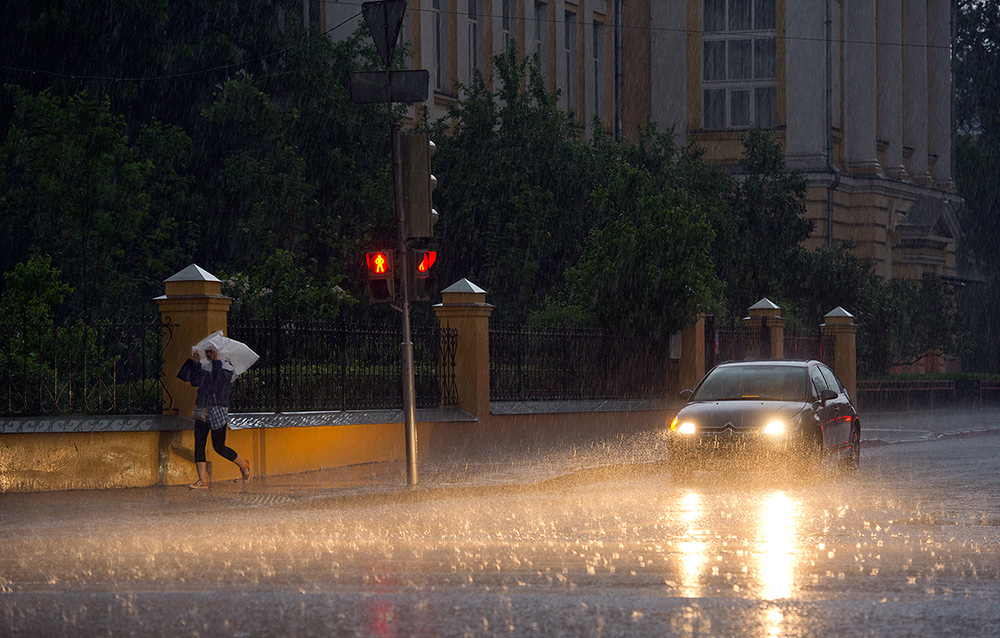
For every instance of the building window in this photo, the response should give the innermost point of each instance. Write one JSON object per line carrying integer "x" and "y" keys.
{"x": 739, "y": 64}
{"x": 542, "y": 37}
{"x": 475, "y": 38}
{"x": 441, "y": 73}
{"x": 599, "y": 69}
{"x": 570, "y": 53}
{"x": 507, "y": 22}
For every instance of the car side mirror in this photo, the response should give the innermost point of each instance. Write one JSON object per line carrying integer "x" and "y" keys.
{"x": 686, "y": 394}
{"x": 827, "y": 395}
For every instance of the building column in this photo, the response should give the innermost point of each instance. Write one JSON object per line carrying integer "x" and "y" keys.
{"x": 861, "y": 89}
{"x": 890, "y": 86}
{"x": 840, "y": 327}
{"x": 805, "y": 86}
{"x": 463, "y": 308}
{"x": 939, "y": 92}
{"x": 915, "y": 96}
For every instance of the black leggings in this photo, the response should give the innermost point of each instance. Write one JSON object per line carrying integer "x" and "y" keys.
{"x": 201, "y": 431}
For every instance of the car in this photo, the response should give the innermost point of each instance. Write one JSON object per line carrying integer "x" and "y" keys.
{"x": 792, "y": 412}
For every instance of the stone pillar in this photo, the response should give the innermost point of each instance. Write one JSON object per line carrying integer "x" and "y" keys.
{"x": 767, "y": 312}
{"x": 860, "y": 90}
{"x": 805, "y": 86}
{"x": 939, "y": 92}
{"x": 463, "y": 308}
{"x": 915, "y": 88}
{"x": 839, "y": 324}
{"x": 890, "y": 86}
{"x": 692, "y": 366}
{"x": 194, "y": 303}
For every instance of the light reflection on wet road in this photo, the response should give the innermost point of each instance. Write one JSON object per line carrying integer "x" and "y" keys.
{"x": 909, "y": 547}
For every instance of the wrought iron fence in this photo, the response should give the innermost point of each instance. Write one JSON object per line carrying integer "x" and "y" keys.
{"x": 735, "y": 343}
{"x": 742, "y": 343}
{"x": 103, "y": 366}
{"x": 311, "y": 365}
{"x": 549, "y": 364}
{"x": 798, "y": 346}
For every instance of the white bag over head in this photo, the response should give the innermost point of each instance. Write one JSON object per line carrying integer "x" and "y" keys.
{"x": 237, "y": 353}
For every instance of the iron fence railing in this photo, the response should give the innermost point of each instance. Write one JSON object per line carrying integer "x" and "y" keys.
{"x": 102, "y": 366}
{"x": 742, "y": 343}
{"x": 310, "y": 365}
{"x": 550, "y": 364}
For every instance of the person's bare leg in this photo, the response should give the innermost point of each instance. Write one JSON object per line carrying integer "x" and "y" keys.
{"x": 202, "y": 481}
{"x": 244, "y": 467}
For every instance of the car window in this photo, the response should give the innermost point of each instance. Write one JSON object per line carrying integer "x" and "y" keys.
{"x": 831, "y": 379}
{"x": 819, "y": 381}
{"x": 765, "y": 382}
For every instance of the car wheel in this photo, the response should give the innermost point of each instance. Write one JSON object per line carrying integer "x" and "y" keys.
{"x": 852, "y": 461}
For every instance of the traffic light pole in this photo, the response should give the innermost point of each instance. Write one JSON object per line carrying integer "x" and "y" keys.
{"x": 409, "y": 390}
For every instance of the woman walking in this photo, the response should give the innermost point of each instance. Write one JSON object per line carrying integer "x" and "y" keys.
{"x": 213, "y": 379}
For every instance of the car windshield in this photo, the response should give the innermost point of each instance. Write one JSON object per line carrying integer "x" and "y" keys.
{"x": 765, "y": 383}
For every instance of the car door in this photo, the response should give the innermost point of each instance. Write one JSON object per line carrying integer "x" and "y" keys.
{"x": 826, "y": 411}
{"x": 840, "y": 426}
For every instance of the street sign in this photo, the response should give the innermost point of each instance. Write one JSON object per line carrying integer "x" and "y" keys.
{"x": 369, "y": 87}
{"x": 383, "y": 20}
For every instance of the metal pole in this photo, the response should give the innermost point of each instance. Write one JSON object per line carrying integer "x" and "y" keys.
{"x": 409, "y": 392}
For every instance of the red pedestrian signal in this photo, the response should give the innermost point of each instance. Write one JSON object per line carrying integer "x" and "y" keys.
{"x": 381, "y": 277}
{"x": 427, "y": 259}
{"x": 378, "y": 263}
{"x": 424, "y": 279}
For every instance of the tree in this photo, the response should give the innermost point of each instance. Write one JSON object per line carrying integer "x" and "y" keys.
{"x": 758, "y": 249}
{"x": 74, "y": 185}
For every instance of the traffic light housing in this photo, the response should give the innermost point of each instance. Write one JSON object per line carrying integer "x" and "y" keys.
{"x": 424, "y": 277}
{"x": 381, "y": 276}
{"x": 419, "y": 185}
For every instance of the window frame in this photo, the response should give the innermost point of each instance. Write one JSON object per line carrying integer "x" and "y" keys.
{"x": 739, "y": 64}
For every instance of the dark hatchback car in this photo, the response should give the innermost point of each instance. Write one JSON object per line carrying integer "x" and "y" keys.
{"x": 790, "y": 411}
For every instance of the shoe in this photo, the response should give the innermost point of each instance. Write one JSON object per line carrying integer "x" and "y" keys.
{"x": 198, "y": 485}
{"x": 245, "y": 472}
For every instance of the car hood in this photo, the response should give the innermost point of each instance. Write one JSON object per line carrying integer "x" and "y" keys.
{"x": 741, "y": 413}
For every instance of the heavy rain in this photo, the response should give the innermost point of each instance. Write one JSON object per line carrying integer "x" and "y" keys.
{"x": 625, "y": 193}
{"x": 600, "y": 542}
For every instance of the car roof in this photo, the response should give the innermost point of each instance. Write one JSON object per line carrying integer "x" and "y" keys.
{"x": 789, "y": 363}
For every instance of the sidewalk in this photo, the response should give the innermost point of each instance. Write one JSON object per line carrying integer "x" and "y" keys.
{"x": 374, "y": 483}
{"x": 903, "y": 427}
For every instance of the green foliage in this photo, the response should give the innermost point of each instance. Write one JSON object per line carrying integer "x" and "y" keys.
{"x": 278, "y": 287}
{"x": 563, "y": 230}
{"x": 74, "y": 185}
{"x": 757, "y": 251}
{"x": 32, "y": 291}
{"x": 512, "y": 188}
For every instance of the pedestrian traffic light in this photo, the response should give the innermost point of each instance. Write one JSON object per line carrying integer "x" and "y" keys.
{"x": 419, "y": 185}
{"x": 424, "y": 277}
{"x": 381, "y": 277}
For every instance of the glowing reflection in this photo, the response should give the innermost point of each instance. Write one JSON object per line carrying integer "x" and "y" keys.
{"x": 779, "y": 540}
{"x": 692, "y": 550}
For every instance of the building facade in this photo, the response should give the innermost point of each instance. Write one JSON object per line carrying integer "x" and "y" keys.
{"x": 858, "y": 92}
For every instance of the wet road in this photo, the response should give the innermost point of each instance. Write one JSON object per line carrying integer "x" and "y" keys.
{"x": 908, "y": 547}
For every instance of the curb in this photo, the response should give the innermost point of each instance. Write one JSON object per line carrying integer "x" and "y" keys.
{"x": 939, "y": 436}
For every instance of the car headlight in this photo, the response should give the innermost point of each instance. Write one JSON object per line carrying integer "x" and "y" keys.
{"x": 775, "y": 428}
{"x": 682, "y": 427}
